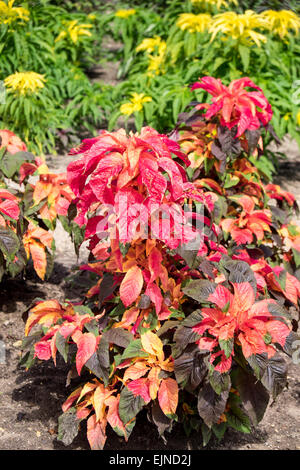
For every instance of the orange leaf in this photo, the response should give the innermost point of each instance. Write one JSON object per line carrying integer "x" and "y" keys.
{"x": 86, "y": 344}
{"x": 45, "y": 313}
{"x": 155, "y": 261}
{"x": 113, "y": 416}
{"x": 168, "y": 396}
{"x": 154, "y": 382}
{"x": 131, "y": 286}
{"x": 137, "y": 370}
{"x": 152, "y": 344}
{"x": 96, "y": 433}
{"x": 38, "y": 254}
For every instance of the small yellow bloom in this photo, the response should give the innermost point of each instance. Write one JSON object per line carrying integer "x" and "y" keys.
{"x": 135, "y": 104}
{"x": 156, "y": 64}
{"x": 298, "y": 118}
{"x": 125, "y": 13}
{"x": 25, "y": 82}
{"x": 74, "y": 31}
{"x": 281, "y": 22}
{"x": 9, "y": 13}
{"x": 286, "y": 117}
{"x": 187, "y": 409}
{"x": 240, "y": 27}
{"x": 194, "y": 23}
{"x": 215, "y": 3}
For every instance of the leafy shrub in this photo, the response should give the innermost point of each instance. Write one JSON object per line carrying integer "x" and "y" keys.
{"x": 27, "y": 210}
{"x": 195, "y": 261}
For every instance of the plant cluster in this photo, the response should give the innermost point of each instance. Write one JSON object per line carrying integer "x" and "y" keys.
{"x": 194, "y": 263}
{"x": 28, "y": 210}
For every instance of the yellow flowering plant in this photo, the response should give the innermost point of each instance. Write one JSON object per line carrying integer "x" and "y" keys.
{"x": 9, "y": 13}
{"x": 131, "y": 26}
{"x": 24, "y": 83}
{"x": 194, "y": 23}
{"x": 155, "y": 50}
{"x": 74, "y": 39}
{"x": 31, "y": 110}
{"x": 135, "y": 104}
{"x": 281, "y": 23}
{"x": 214, "y": 4}
{"x": 123, "y": 13}
{"x": 242, "y": 27}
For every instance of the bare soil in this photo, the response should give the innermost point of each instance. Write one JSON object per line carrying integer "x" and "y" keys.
{"x": 30, "y": 401}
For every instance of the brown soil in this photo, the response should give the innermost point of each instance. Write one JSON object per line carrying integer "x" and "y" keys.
{"x": 30, "y": 402}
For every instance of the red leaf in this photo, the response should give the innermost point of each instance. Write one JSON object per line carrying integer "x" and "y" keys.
{"x": 96, "y": 433}
{"x": 86, "y": 345}
{"x": 140, "y": 387}
{"x": 168, "y": 396}
{"x": 131, "y": 286}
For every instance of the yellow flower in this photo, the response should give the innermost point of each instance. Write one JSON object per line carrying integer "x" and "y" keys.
{"x": 150, "y": 44}
{"x": 281, "y": 22}
{"x": 25, "y": 82}
{"x": 286, "y": 117}
{"x": 74, "y": 31}
{"x": 9, "y": 13}
{"x": 215, "y": 3}
{"x": 125, "y": 13}
{"x": 155, "y": 64}
{"x": 298, "y": 118}
{"x": 135, "y": 104}
{"x": 194, "y": 23}
{"x": 158, "y": 46}
{"x": 240, "y": 27}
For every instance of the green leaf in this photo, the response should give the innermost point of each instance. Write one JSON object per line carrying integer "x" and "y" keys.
{"x": 219, "y": 430}
{"x": 190, "y": 368}
{"x": 134, "y": 349}
{"x": 211, "y": 405}
{"x": 68, "y": 426}
{"x": 199, "y": 289}
{"x": 129, "y": 405}
{"x": 227, "y": 346}
{"x": 254, "y": 395}
{"x": 238, "y": 420}
{"x": 206, "y": 434}
{"x": 245, "y": 56}
{"x": 62, "y": 345}
{"x": 99, "y": 362}
{"x": 9, "y": 243}
{"x": 119, "y": 336}
{"x": 219, "y": 382}
{"x": 275, "y": 375}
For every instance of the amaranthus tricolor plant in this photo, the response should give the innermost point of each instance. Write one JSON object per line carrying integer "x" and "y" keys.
{"x": 195, "y": 259}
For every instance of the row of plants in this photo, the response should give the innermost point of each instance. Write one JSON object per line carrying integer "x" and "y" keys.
{"x": 194, "y": 276}
{"x": 49, "y": 49}
{"x": 46, "y": 52}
